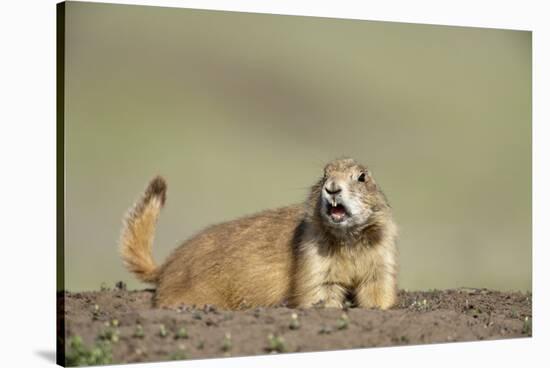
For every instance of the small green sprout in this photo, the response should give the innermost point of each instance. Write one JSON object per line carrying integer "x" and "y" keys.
{"x": 95, "y": 312}
{"x": 182, "y": 333}
{"x": 527, "y": 326}
{"x": 180, "y": 354}
{"x": 276, "y": 343}
{"x": 424, "y": 305}
{"x": 162, "y": 331}
{"x": 139, "y": 333}
{"x": 227, "y": 344}
{"x": 343, "y": 322}
{"x": 78, "y": 354}
{"x": 110, "y": 333}
{"x": 294, "y": 323}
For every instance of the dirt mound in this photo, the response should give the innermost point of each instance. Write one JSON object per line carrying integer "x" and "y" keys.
{"x": 121, "y": 326}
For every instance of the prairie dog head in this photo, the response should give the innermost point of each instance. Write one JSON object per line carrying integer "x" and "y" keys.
{"x": 347, "y": 196}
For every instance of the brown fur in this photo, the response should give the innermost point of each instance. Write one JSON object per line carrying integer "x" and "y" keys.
{"x": 290, "y": 254}
{"x": 138, "y": 232}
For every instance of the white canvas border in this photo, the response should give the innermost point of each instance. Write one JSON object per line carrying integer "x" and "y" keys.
{"x": 27, "y": 151}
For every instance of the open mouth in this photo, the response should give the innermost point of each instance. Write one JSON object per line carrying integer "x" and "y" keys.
{"x": 337, "y": 212}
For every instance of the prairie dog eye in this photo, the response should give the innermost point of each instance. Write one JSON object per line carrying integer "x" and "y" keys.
{"x": 361, "y": 177}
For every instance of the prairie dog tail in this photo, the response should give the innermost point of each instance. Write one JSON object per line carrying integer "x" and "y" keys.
{"x": 138, "y": 231}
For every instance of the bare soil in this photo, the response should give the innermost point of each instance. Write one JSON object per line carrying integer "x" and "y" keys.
{"x": 121, "y": 326}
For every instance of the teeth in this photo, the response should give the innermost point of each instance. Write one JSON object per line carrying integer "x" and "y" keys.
{"x": 334, "y": 204}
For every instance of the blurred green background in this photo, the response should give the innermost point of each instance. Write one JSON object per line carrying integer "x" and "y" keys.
{"x": 240, "y": 112}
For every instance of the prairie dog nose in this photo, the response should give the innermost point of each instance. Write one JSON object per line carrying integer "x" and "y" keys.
{"x": 332, "y": 188}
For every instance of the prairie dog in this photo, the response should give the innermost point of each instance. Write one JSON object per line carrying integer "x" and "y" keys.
{"x": 339, "y": 243}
